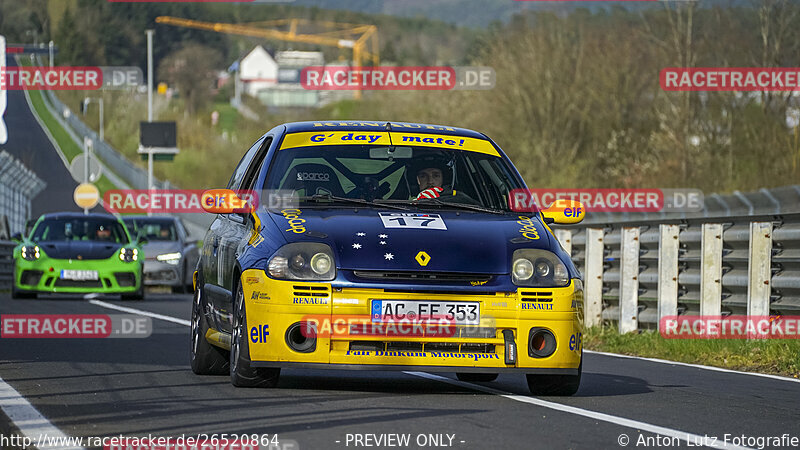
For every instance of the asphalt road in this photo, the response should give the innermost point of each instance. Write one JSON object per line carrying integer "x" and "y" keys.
{"x": 139, "y": 387}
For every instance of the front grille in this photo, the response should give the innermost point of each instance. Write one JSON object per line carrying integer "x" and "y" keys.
{"x": 533, "y": 296}
{"x": 30, "y": 277}
{"x": 78, "y": 283}
{"x": 426, "y": 276}
{"x": 311, "y": 291}
{"x": 125, "y": 279}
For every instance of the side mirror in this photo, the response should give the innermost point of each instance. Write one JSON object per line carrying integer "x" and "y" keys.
{"x": 16, "y": 237}
{"x": 564, "y": 212}
{"x": 141, "y": 240}
{"x": 226, "y": 201}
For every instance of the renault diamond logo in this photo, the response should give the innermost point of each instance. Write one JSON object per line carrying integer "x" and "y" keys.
{"x": 423, "y": 258}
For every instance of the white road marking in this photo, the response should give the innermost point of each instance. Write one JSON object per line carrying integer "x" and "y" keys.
{"x": 697, "y": 366}
{"x": 141, "y": 312}
{"x": 643, "y": 426}
{"x": 31, "y": 423}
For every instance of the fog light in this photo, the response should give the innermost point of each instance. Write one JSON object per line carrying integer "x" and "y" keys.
{"x": 302, "y": 337}
{"x": 541, "y": 343}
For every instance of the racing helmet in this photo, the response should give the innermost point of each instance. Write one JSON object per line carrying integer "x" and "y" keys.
{"x": 431, "y": 159}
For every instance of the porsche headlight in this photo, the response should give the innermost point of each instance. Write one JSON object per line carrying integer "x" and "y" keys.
{"x": 538, "y": 268}
{"x": 170, "y": 258}
{"x": 30, "y": 252}
{"x": 128, "y": 254}
{"x": 308, "y": 261}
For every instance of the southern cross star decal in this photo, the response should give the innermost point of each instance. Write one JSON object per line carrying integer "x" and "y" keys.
{"x": 361, "y": 234}
{"x": 356, "y": 246}
{"x": 383, "y": 236}
{"x": 383, "y": 242}
{"x": 388, "y": 256}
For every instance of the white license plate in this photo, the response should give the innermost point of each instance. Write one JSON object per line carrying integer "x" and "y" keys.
{"x": 79, "y": 275}
{"x": 451, "y": 313}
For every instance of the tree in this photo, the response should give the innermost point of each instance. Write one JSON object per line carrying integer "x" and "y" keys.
{"x": 192, "y": 70}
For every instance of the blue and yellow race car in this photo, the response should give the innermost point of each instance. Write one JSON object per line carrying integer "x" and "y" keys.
{"x": 384, "y": 246}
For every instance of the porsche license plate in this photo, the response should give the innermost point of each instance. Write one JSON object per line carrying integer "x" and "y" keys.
{"x": 79, "y": 275}
{"x": 457, "y": 313}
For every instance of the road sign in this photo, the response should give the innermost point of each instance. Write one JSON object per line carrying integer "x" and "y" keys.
{"x": 86, "y": 195}
{"x": 78, "y": 169}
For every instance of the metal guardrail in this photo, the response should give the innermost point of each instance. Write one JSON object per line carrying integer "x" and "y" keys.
{"x": 18, "y": 185}
{"x": 637, "y": 272}
{"x": 6, "y": 264}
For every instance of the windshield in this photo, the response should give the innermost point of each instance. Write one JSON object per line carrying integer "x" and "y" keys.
{"x": 393, "y": 174}
{"x": 80, "y": 229}
{"x": 153, "y": 229}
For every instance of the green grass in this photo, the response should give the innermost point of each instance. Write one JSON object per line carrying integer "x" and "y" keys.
{"x": 62, "y": 137}
{"x": 774, "y": 356}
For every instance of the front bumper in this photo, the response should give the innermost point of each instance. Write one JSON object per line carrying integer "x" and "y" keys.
{"x": 157, "y": 273}
{"x": 43, "y": 275}
{"x": 275, "y": 308}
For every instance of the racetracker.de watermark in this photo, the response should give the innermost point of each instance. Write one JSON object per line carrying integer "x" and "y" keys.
{"x": 66, "y": 78}
{"x": 397, "y": 78}
{"x": 63, "y": 326}
{"x": 730, "y": 79}
{"x": 166, "y": 201}
{"x": 610, "y": 200}
{"x": 730, "y": 327}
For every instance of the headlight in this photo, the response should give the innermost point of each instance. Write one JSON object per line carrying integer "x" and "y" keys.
{"x": 170, "y": 258}
{"x": 538, "y": 268}
{"x": 30, "y": 253}
{"x": 309, "y": 261}
{"x": 128, "y": 254}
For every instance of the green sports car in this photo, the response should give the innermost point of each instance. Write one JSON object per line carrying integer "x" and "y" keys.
{"x": 74, "y": 253}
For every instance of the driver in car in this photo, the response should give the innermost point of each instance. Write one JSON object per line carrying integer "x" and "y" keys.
{"x": 429, "y": 173}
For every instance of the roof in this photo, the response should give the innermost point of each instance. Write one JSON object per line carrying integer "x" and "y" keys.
{"x": 377, "y": 125}
{"x": 78, "y": 215}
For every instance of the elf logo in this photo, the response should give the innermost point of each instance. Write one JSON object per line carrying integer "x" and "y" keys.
{"x": 259, "y": 333}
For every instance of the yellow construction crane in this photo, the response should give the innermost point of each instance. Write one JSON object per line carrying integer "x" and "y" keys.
{"x": 341, "y": 35}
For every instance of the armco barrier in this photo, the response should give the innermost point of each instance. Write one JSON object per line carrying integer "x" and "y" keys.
{"x": 6, "y": 264}
{"x": 636, "y": 272}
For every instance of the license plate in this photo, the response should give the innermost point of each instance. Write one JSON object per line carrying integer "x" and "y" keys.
{"x": 451, "y": 313}
{"x": 79, "y": 275}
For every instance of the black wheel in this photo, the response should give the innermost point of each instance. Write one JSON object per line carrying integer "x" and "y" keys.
{"x": 472, "y": 377}
{"x": 555, "y": 385}
{"x": 242, "y": 375}
{"x": 206, "y": 359}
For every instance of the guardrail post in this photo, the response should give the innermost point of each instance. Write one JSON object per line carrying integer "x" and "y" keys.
{"x": 759, "y": 269}
{"x": 565, "y": 239}
{"x": 629, "y": 280}
{"x": 593, "y": 277}
{"x": 711, "y": 270}
{"x": 668, "y": 245}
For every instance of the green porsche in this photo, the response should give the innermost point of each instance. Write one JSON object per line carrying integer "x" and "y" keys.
{"x": 73, "y": 253}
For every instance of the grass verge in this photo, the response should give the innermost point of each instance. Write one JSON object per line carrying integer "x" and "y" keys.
{"x": 773, "y": 356}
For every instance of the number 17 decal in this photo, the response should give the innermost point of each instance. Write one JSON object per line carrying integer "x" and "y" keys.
{"x": 413, "y": 220}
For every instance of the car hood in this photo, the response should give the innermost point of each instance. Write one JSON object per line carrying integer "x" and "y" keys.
{"x": 472, "y": 242}
{"x": 79, "y": 249}
{"x": 154, "y": 248}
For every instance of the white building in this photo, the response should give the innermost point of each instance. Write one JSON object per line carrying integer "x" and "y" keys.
{"x": 257, "y": 70}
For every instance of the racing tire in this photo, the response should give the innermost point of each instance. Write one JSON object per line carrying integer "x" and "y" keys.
{"x": 205, "y": 359}
{"x": 242, "y": 374}
{"x": 476, "y": 377}
{"x": 555, "y": 385}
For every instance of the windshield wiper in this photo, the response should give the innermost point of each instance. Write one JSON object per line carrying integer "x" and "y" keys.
{"x": 457, "y": 205}
{"x": 320, "y": 198}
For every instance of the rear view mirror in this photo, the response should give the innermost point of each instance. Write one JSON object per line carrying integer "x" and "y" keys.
{"x": 390, "y": 153}
{"x": 564, "y": 212}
